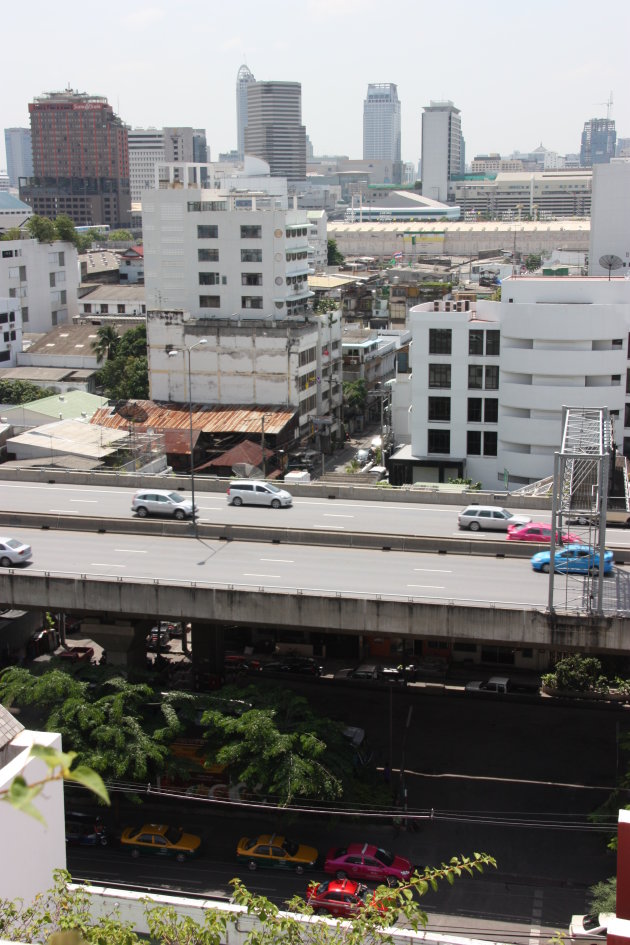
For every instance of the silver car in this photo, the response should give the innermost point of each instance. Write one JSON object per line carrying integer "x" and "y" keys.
{"x": 491, "y": 517}
{"x": 254, "y": 492}
{"x": 162, "y": 502}
{"x": 13, "y": 551}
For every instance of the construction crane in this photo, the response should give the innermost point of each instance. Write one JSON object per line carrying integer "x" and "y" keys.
{"x": 608, "y": 104}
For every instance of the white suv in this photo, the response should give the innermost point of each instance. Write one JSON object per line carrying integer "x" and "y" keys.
{"x": 162, "y": 502}
{"x": 491, "y": 517}
{"x": 253, "y": 492}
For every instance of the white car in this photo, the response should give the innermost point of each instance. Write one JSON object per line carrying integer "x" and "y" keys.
{"x": 162, "y": 502}
{"x": 591, "y": 926}
{"x": 13, "y": 552}
{"x": 491, "y": 517}
{"x": 254, "y": 492}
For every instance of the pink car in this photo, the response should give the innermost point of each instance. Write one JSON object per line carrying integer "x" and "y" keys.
{"x": 367, "y": 862}
{"x": 538, "y": 531}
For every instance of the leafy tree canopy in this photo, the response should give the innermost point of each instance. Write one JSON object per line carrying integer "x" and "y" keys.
{"x": 533, "y": 262}
{"x": 355, "y": 395}
{"x": 120, "y": 236}
{"x": 42, "y": 229}
{"x": 13, "y": 233}
{"x": 23, "y": 392}
{"x": 603, "y": 896}
{"x": 107, "y": 340}
{"x": 126, "y": 375}
{"x": 335, "y": 258}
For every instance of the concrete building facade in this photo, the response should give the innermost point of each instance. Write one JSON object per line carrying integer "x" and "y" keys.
{"x": 274, "y": 130}
{"x": 43, "y": 278}
{"x": 10, "y": 332}
{"x": 610, "y": 234}
{"x": 19, "y": 150}
{"x": 80, "y": 160}
{"x": 146, "y": 150}
{"x": 381, "y": 123}
{"x": 443, "y": 154}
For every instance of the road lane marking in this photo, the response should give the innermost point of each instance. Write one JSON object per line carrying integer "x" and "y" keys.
{"x": 92, "y": 501}
{"x": 434, "y": 570}
{"x": 434, "y": 587}
{"x": 253, "y": 574}
{"x": 64, "y": 511}
{"x": 130, "y": 551}
{"x": 336, "y": 515}
{"x": 339, "y": 528}
{"x": 279, "y": 560}
{"x": 106, "y": 564}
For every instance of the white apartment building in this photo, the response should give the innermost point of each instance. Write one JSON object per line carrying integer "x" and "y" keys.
{"x": 146, "y": 150}
{"x": 250, "y": 361}
{"x": 610, "y": 233}
{"x": 442, "y": 148}
{"x": 317, "y": 239}
{"x": 225, "y": 254}
{"x": 489, "y": 379}
{"x": 44, "y": 278}
{"x": 10, "y": 332}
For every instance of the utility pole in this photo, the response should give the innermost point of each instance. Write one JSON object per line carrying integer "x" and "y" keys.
{"x": 262, "y": 445}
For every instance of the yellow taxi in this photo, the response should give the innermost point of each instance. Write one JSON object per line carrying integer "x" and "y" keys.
{"x": 275, "y": 852}
{"x": 160, "y": 839}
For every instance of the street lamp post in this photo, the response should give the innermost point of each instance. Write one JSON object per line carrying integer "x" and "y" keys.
{"x": 172, "y": 353}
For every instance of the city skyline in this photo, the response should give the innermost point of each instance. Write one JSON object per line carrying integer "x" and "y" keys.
{"x": 518, "y": 80}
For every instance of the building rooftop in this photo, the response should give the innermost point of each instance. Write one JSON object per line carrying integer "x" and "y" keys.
{"x": 74, "y": 403}
{"x": 72, "y": 436}
{"x": 66, "y": 339}
{"x": 114, "y": 293}
{"x": 207, "y": 419}
{"x": 10, "y": 202}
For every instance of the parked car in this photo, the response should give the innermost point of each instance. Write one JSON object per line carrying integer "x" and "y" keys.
{"x": 489, "y": 517}
{"x": 594, "y": 925}
{"x": 85, "y": 830}
{"x": 339, "y": 897}
{"x": 538, "y": 531}
{"x": 13, "y": 551}
{"x": 160, "y": 839}
{"x": 162, "y": 502}
{"x": 291, "y": 663}
{"x": 159, "y": 638}
{"x": 275, "y": 852}
{"x": 252, "y": 492}
{"x": 77, "y": 654}
{"x": 501, "y": 685}
{"x": 236, "y": 663}
{"x": 573, "y": 559}
{"x": 363, "y": 456}
{"x": 368, "y": 862}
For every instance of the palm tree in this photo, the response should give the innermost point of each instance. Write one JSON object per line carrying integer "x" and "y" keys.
{"x": 107, "y": 339}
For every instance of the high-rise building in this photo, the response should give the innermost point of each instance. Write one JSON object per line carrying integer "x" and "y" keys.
{"x": 185, "y": 145}
{"x": 381, "y": 123}
{"x": 598, "y": 142}
{"x": 146, "y": 150}
{"x": 244, "y": 78}
{"x": 19, "y": 150}
{"x": 274, "y": 129}
{"x": 442, "y": 148}
{"x": 80, "y": 160}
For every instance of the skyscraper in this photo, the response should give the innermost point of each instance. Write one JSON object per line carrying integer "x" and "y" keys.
{"x": 442, "y": 148}
{"x": 146, "y": 150}
{"x": 19, "y": 154}
{"x": 381, "y": 123}
{"x": 244, "y": 78}
{"x": 80, "y": 160}
{"x": 598, "y": 142}
{"x": 274, "y": 129}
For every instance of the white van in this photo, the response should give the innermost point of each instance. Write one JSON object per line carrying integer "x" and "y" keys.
{"x": 255, "y": 492}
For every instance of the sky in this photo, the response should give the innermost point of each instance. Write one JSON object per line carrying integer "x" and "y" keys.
{"x": 521, "y": 74}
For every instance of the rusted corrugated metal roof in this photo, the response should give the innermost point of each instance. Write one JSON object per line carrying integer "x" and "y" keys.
{"x": 245, "y": 452}
{"x": 207, "y": 419}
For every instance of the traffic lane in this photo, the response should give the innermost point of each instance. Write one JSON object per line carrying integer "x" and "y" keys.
{"x": 354, "y": 571}
{"x": 393, "y": 518}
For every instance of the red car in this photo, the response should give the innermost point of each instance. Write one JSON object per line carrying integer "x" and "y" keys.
{"x": 538, "y": 531}
{"x": 368, "y": 862}
{"x": 339, "y": 897}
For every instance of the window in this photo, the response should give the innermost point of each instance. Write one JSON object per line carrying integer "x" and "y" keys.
{"x": 491, "y": 410}
{"x": 492, "y": 377}
{"x": 251, "y": 255}
{"x": 475, "y": 342}
{"x": 440, "y": 375}
{"x": 439, "y": 408}
{"x": 64, "y": 296}
{"x": 209, "y": 278}
{"x": 87, "y": 308}
{"x": 251, "y": 232}
{"x": 627, "y": 371}
{"x": 440, "y": 340}
{"x": 490, "y": 444}
{"x": 207, "y": 232}
{"x": 104, "y": 309}
{"x": 25, "y": 313}
{"x": 4, "y": 318}
{"x": 473, "y": 443}
{"x": 62, "y": 259}
{"x": 439, "y": 441}
{"x": 251, "y": 278}
{"x": 626, "y": 416}
{"x": 120, "y": 309}
{"x": 475, "y": 377}
{"x": 493, "y": 343}
{"x": 5, "y": 355}
{"x": 51, "y": 279}
{"x": 474, "y": 409}
{"x": 208, "y": 255}
{"x": 251, "y": 301}
{"x": 209, "y": 301}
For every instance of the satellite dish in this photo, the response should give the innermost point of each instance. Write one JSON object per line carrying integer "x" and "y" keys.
{"x": 610, "y": 262}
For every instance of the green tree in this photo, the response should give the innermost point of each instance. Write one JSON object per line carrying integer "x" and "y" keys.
{"x": 85, "y": 240}
{"x": 65, "y": 229}
{"x": 23, "y": 392}
{"x": 126, "y": 375}
{"x": 106, "y": 344}
{"x": 13, "y": 233}
{"x": 335, "y": 258}
{"x": 355, "y": 395}
{"x": 603, "y": 896}
{"x": 41, "y": 229}
{"x": 533, "y": 262}
{"x": 324, "y": 305}
{"x": 577, "y": 673}
{"x": 120, "y": 236}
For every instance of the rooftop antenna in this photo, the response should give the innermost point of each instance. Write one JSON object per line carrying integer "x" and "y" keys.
{"x": 610, "y": 262}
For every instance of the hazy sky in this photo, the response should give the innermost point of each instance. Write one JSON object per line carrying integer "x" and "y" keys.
{"x": 521, "y": 74}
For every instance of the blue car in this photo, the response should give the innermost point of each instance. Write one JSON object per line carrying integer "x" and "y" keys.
{"x": 573, "y": 559}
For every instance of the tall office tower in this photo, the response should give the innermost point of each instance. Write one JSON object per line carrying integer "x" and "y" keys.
{"x": 442, "y": 148}
{"x": 274, "y": 129}
{"x": 19, "y": 154}
{"x": 185, "y": 145}
{"x": 244, "y": 78}
{"x": 598, "y": 142}
{"x": 146, "y": 149}
{"x": 381, "y": 123}
{"x": 80, "y": 160}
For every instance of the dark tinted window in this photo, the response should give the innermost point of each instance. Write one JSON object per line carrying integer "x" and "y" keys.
{"x": 439, "y": 408}
{"x": 440, "y": 340}
{"x": 439, "y": 441}
{"x": 440, "y": 375}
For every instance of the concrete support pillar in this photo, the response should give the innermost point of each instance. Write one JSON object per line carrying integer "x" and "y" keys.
{"x": 124, "y": 641}
{"x": 208, "y": 654}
